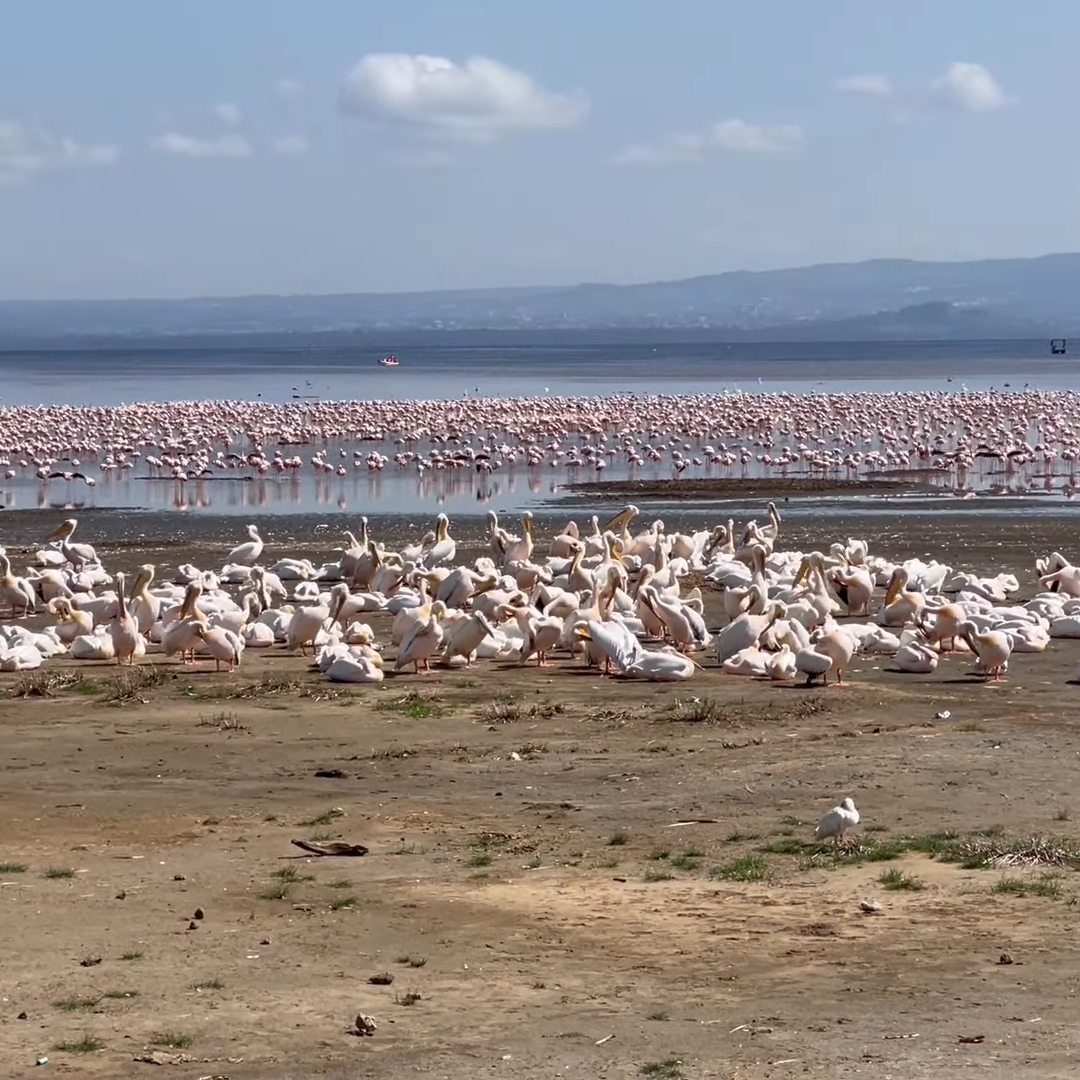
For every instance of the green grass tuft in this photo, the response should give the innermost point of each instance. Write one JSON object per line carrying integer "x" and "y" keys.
{"x": 742, "y": 868}
{"x": 895, "y": 880}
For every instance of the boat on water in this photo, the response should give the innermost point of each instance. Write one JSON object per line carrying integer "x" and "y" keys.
{"x": 389, "y": 361}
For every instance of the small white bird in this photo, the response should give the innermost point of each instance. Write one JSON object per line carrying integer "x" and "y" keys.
{"x": 837, "y": 821}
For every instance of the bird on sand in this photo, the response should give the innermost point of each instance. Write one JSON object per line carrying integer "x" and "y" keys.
{"x": 837, "y": 821}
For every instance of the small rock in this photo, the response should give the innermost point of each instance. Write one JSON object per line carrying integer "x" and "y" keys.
{"x": 21, "y": 1016}
{"x": 121, "y": 895}
{"x": 178, "y": 877}
{"x": 1005, "y": 958}
{"x": 43, "y": 1060}
{"x": 199, "y": 913}
{"x": 90, "y": 961}
{"x": 265, "y": 941}
{"x": 193, "y": 925}
{"x": 871, "y": 907}
{"x": 382, "y": 978}
{"x": 365, "y": 1025}
{"x": 330, "y": 774}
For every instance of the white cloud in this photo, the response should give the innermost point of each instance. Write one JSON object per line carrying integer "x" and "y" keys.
{"x": 477, "y": 101}
{"x": 289, "y": 144}
{"x": 229, "y": 113}
{"x": 27, "y": 150}
{"x": 971, "y": 87}
{"x": 734, "y": 135}
{"x": 673, "y": 150}
{"x": 871, "y": 85}
{"x": 289, "y": 89}
{"x": 227, "y": 146}
{"x": 757, "y": 139}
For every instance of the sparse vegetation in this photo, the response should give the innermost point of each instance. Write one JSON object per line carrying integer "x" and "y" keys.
{"x": 653, "y": 876}
{"x": 341, "y": 883}
{"x": 412, "y": 704}
{"x": 698, "y": 711}
{"x": 130, "y": 685}
{"x": 44, "y": 683}
{"x": 120, "y": 995}
{"x": 896, "y": 880}
{"x": 289, "y": 875}
{"x": 75, "y": 1004}
{"x": 223, "y": 721}
{"x": 208, "y": 984}
{"x": 658, "y": 1016}
{"x": 175, "y": 1040}
{"x": 668, "y": 1069}
{"x": 12, "y": 868}
{"x": 743, "y": 868}
{"x": 618, "y": 838}
{"x": 687, "y": 860}
{"x": 275, "y": 892}
{"x": 480, "y": 858}
{"x": 58, "y": 873}
{"x": 343, "y": 903}
{"x": 503, "y": 710}
{"x": 132, "y": 956}
{"x": 1047, "y": 885}
{"x": 659, "y": 854}
{"x": 410, "y": 997}
{"x": 86, "y": 1045}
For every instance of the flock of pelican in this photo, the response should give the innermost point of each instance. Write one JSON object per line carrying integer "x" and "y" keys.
{"x": 628, "y": 600}
{"x": 962, "y": 437}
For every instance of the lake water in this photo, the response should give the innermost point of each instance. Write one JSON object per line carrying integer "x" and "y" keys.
{"x": 338, "y": 368}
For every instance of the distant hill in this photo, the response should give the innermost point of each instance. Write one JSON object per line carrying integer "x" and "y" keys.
{"x": 884, "y": 298}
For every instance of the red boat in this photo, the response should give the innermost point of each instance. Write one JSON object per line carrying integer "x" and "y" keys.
{"x": 389, "y": 361}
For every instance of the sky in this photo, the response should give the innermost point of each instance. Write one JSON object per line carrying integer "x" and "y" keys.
{"x": 205, "y": 148}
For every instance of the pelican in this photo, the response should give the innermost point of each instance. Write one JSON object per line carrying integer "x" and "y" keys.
{"x": 993, "y": 649}
{"x": 17, "y": 592}
{"x": 521, "y": 549}
{"x": 465, "y": 636}
{"x": 901, "y": 606}
{"x": 223, "y": 644}
{"x": 122, "y": 628}
{"x": 540, "y": 633}
{"x": 247, "y": 554}
{"x": 181, "y": 634}
{"x": 837, "y": 821}
{"x": 76, "y": 554}
{"x": 145, "y": 607}
{"x": 420, "y": 644}
{"x": 445, "y": 548}
{"x": 829, "y": 652}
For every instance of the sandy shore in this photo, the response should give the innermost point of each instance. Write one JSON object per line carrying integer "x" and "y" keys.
{"x": 527, "y": 886}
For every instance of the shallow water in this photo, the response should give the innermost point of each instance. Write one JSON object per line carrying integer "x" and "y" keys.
{"x": 284, "y": 370}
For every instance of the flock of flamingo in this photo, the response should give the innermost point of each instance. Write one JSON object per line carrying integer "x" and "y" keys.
{"x": 629, "y": 601}
{"x": 960, "y": 437}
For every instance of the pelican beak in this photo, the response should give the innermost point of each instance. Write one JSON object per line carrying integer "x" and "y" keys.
{"x": 583, "y": 633}
{"x": 894, "y": 589}
{"x": 803, "y": 574}
{"x": 60, "y": 530}
{"x": 621, "y": 519}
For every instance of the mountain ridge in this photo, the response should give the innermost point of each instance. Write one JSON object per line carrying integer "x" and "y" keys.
{"x": 1003, "y": 297}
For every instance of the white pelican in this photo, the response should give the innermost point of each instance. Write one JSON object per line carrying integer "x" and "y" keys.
{"x": 445, "y": 548}
{"x": 837, "y": 647}
{"x": 223, "y": 644}
{"x": 540, "y": 633}
{"x": 247, "y": 554}
{"x": 901, "y": 606}
{"x": 73, "y": 622}
{"x": 993, "y": 649}
{"x": 837, "y": 821}
{"x": 916, "y": 657}
{"x": 145, "y": 606}
{"x": 304, "y": 627}
{"x": 521, "y": 549}
{"x": 420, "y": 644}
{"x": 946, "y": 625}
{"x": 122, "y": 629}
{"x": 16, "y": 592}
{"x": 76, "y": 554}
{"x": 464, "y": 637}
{"x": 181, "y": 634}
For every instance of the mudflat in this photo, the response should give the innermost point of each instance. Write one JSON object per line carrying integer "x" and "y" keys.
{"x": 566, "y": 875}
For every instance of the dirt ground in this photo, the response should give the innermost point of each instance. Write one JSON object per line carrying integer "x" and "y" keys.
{"x": 529, "y": 886}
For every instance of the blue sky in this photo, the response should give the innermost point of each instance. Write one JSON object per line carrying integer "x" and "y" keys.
{"x": 221, "y": 148}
